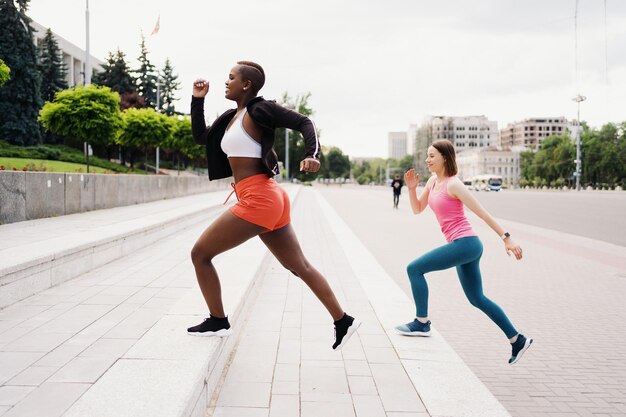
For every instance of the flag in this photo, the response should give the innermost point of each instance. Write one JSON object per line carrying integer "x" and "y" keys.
{"x": 157, "y": 26}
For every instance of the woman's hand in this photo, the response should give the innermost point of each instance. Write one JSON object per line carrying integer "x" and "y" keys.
{"x": 200, "y": 87}
{"x": 512, "y": 247}
{"x": 309, "y": 165}
{"x": 411, "y": 179}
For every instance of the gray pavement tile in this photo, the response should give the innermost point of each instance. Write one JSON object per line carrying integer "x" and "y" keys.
{"x": 284, "y": 406}
{"x": 316, "y": 409}
{"x": 323, "y": 380}
{"x": 37, "y": 342}
{"x": 368, "y": 406}
{"x": 245, "y": 394}
{"x": 240, "y": 412}
{"x": 357, "y": 368}
{"x": 11, "y": 395}
{"x": 105, "y": 348}
{"x": 285, "y": 388}
{"x": 33, "y": 376}
{"x": 81, "y": 369}
{"x": 362, "y": 385}
{"x": 51, "y": 399}
{"x": 12, "y": 363}
{"x": 395, "y": 388}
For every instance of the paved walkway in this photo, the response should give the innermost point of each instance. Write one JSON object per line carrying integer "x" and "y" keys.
{"x": 567, "y": 293}
{"x": 99, "y": 343}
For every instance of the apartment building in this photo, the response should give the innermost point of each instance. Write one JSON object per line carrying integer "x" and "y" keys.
{"x": 465, "y": 132}
{"x": 530, "y": 133}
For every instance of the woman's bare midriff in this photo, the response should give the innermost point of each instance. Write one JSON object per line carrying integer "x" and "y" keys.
{"x": 245, "y": 167}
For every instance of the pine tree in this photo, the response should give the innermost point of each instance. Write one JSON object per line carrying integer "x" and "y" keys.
{"x": 20, "y": 98}
{"x": 116, "y": 74}
{"x": 146, "y": 77}
{"x": 169, "y": 86}
{"x": 51, "y": 67}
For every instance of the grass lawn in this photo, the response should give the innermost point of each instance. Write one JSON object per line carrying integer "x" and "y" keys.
{"x": 50, "y": 166}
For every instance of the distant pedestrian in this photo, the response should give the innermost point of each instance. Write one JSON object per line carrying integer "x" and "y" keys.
{"x": 446, "y": 195}
{"x": 396, "y": 186}
{"x": 240, "y": 143}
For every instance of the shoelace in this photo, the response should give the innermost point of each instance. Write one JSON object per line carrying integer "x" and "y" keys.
{"x": 232, "y": 184}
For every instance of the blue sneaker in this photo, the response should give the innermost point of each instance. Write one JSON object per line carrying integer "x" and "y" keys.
{"x": 414, "y": 328}
{"x": 520, "y": 346}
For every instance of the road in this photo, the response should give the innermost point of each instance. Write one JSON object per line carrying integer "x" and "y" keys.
{"x": 567, "y": 293}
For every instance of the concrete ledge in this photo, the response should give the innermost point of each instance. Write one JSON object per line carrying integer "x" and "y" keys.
{"x": 446, "y": 385}
{"x": 35, "y": 195}
{"x": 30, "y": 268}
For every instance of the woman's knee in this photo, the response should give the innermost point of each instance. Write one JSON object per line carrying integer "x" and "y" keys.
{"x": 200, "y": 255}
{"x": 415, "y": 268}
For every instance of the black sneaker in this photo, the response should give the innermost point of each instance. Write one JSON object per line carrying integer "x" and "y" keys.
{"x": 414, "y": 328}
{"x": 344, "y": 328}
{"x": 211, "y": 326}
{"x": 520, "y": 346}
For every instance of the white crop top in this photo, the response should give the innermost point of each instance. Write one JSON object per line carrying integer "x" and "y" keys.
{"x": 236, "y": 141}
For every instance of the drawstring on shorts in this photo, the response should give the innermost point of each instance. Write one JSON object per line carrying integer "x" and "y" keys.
{"x": 232, "y": 184}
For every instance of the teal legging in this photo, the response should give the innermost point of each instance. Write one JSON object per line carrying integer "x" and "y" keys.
{"x": 464, "y": 254}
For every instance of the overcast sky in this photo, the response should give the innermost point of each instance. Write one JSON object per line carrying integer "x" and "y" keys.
{"x": 377, "y": 66}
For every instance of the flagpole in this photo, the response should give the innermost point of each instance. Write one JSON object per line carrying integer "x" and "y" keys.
{"x": 155, "y": 31}
{"x": 87, "y": 53}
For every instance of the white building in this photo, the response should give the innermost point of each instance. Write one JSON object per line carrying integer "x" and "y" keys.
{"x": 531, "y": 132}
{"x": 73, "y": 56}
{"x": 397, "y": 145}
{"x": 495, "y": 160}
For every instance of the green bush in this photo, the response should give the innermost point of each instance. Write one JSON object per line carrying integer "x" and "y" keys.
{"x": 56, "y": 153}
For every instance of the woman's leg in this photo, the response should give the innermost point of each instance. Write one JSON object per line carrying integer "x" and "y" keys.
{"x": 472, "y": 284}
{"x": 226, "y": 232}
{"x": 284, "y": 245}
{"x": 438, "y": 259}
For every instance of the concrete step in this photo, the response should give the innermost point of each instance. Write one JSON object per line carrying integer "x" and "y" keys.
{"x": 39, "y": 254}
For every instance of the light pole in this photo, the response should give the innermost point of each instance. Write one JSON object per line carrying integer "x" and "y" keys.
{"x": 286, "y": 155}
{"x": 87, "y": 57}
{"x": 578, "y": 99}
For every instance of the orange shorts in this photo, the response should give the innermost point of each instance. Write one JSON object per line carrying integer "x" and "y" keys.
{"x": 262, "y": 202}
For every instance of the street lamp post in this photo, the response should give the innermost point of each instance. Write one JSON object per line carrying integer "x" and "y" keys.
{"x": 578, "y": 99}
{"x": 286, "y": 154}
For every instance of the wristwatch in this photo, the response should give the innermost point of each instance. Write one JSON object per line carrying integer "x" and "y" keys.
{"x": 505, "y": 235}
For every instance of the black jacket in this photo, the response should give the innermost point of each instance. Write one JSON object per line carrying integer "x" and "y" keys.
{"x": 268, "y": 115}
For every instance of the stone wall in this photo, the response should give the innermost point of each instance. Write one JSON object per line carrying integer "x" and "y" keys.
{"x": 33, "y": 195}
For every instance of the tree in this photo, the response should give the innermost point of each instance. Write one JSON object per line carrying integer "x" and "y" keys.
{"x": 296, "y": 142}
{"x": 51, "y": 67}
{"x": 5, "y": 73}
{"x": 337, "y": 164}
{"x": 144, "y": 129}
{"x": 169, "y": 86}
{"x": 87, "y": 114}
{"x": 116, "y": 74}
{"x": 181, "y": 141}
{"x": 146, "y": 77}
{"x": 20, "y": 98}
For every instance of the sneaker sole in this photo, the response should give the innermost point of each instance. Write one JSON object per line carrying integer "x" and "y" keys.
{"x": 355, "y": 325}
{"x": 414, "y": 334}
{"x": 219, "y": 333}
{"x": 529, "y": 342}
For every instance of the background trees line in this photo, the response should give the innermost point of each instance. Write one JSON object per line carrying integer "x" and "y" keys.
{"x": 603, "y": 159}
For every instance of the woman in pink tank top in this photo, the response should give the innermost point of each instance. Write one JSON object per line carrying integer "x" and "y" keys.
{"x": 447, "y": 196}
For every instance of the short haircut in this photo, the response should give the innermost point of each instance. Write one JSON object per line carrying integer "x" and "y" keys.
{"x": 446, "y": 149}
{"x": 253, "y": 72}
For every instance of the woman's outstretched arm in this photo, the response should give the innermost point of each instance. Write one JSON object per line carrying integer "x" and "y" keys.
{"x": 458, "y": 190}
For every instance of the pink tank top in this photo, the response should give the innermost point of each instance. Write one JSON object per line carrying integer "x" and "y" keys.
{"x": 449, "y": 212}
